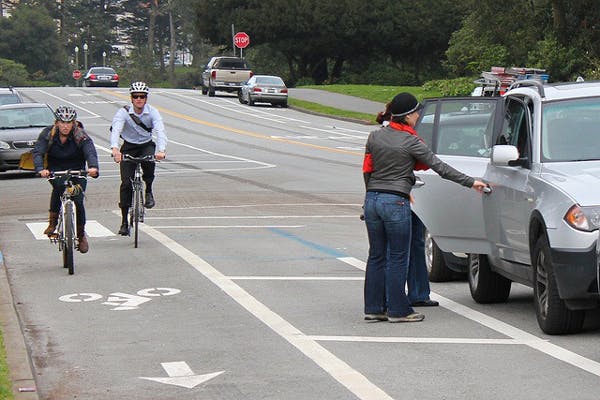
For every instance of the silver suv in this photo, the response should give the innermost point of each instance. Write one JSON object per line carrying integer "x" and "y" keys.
{"x": 538, "y": 147}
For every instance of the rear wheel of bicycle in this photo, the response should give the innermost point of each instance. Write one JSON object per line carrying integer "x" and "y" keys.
{"x": 69, "y": 238}
{"x": 137, "y": 205}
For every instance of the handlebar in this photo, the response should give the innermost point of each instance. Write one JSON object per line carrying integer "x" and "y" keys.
{"x": 127, "y": 157}
{"x": 71, "y": 173}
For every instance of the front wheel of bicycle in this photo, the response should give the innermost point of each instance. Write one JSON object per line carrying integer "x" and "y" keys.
{"x": 137, "y": 205}
{"x": 69, "y": 238}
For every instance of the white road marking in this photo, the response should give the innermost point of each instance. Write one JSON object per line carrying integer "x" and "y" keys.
{"x": 224, "y": 226}
{"x": 92, "y": 229}
{"x": 435, "y": 340}
{"x": 68, "y": 102}
{"x": 296, "y": 278}
{"x": 180, "y": 374}
{"x": 521, "y": 336}
{"x": 354, "y": 381}
{"x": 255, "y": 217}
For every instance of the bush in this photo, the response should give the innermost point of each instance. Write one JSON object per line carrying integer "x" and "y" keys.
{"x": 12, "y": 73}
{"x": 452, "y": 87}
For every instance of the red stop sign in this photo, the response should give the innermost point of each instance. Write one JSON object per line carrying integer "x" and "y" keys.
{"x": 76, "y": 74}
{"x": 241, "y": 40}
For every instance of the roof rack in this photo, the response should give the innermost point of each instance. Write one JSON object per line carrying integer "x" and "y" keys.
{"x": 530, "y": 83}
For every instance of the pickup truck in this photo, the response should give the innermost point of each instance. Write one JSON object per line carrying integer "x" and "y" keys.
{"x": 225, "y": 74}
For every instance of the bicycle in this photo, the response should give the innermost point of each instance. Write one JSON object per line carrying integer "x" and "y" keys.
{"x": 65, "y": 235}
{"x": 137, "y": 209}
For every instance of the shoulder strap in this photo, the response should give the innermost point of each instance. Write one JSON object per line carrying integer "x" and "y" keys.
{"x": 51, "y": 134}
{"x": 136, "y": 119}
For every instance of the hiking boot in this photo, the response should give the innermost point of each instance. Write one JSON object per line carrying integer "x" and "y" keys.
{"x": 414, "y": 317}
{"x": 83, "y": 245}
{"x": 149, "y": 201}
{"x": 52, "y": 222}
{"x": 124, "y": 229}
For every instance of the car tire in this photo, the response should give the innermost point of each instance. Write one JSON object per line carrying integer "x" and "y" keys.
{"x": 204, "y": 90}
{"x": 486, "y": 286}
{"x": 250, "y": 101}
{"x": 434, "y": 259}
{"x": 211, "y": 91}
{"x": 553, "y": 316}
{"x": 240, "y": 97}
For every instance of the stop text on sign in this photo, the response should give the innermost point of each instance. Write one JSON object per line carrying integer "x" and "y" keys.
{"x": 241, "y": 40}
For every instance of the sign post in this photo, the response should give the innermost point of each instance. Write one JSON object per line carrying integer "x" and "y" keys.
{"x": 241, "y": 41}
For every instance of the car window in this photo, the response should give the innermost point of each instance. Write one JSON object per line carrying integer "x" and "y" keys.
{"x": 270, "y": 80}
{"x": 464, "y": 128}
{"x": 570, "y": 130}
{"x": 515, "y": 127}
{"x": 9, "y": 98}
{"x": 108, "y": 71}
{"x": 26, "y": 117}
{"x": 231, "y": 64}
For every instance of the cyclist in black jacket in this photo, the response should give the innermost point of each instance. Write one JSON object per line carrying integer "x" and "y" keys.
{"x": 65, "y": 145}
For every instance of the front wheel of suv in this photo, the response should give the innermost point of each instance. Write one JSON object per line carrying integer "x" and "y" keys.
{"x": 553, "y": 316}
{"x": 486, "y": 285}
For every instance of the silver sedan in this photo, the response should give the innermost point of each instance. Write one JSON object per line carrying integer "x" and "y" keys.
{"x": 264, "y": 89}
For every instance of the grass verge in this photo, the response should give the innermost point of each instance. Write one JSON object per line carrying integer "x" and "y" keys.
{"x": 5, "y": 382}
{"x": 380, "y": 94}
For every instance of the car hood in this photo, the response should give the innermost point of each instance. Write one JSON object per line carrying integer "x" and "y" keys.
{"x": 20, "y": 133}
{"x": 580, "y": 180}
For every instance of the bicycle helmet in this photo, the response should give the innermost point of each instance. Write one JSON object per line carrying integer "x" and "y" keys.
{"x": 65, "y": 114}
{"x": 139, "y": 87}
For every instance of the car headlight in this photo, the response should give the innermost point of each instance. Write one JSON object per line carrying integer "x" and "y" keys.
{"x": 4, "y": 145}
{"x": 583, "y": 218}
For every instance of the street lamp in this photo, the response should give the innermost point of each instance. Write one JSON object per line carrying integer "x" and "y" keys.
{"x": 104, "y": 59}
{"x": 85, "y": 51}
{"x": 76, "y": 62}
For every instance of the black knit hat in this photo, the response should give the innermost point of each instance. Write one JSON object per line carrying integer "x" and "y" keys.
{"x": 404, "y": 104}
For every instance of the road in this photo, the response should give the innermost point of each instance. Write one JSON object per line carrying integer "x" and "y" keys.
{"x": 248, "y": 280}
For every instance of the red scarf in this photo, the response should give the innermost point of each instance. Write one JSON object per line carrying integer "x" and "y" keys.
{"x": 419, "y": 166}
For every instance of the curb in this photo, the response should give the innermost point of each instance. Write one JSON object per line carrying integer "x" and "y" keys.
{"x": 17, "y": 357}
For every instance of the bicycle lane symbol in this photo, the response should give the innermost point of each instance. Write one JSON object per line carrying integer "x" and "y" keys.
{"x": 121, "y": 301}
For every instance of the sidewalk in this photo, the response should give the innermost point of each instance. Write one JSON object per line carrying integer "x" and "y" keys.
{"x": 336, "y": 100}
{"x": 16, "y": 353}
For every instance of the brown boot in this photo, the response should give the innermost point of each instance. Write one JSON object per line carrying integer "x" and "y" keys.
{"x": 82, "y": 238}
{"x": 52, "y": 222}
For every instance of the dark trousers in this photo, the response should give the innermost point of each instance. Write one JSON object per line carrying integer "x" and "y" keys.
{"x": 58, "y": 187}
{"x": 128, "y": 170}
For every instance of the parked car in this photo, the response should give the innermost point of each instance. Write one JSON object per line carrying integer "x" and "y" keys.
{"x": 538, "y": 148}
{"x": 20, "y": 125}
{"x": 101, "y": 76}
{"x": 9, "y": 95}
{"x": 264, "y": 89}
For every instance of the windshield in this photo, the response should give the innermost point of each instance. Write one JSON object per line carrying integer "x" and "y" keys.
{"x": 26, "y": 117}
{"x": 571, "y": 130}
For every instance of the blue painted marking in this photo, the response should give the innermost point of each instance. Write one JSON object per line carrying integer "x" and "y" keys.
{"x": 312, "y": 245}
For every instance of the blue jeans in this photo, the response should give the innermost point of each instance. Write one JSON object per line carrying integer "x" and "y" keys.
{"x": 388, "y": 221}
{"x": 418, "y": 278}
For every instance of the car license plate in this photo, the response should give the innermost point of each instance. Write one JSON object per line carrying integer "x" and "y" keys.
{"x": 103, "y": 78}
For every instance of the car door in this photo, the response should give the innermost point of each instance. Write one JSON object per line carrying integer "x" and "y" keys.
{"x": 459, "y": 131}
{"x": 508, "y": 208}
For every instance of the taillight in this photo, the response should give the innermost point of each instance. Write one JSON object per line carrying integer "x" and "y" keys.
{"x": 213, "y": 74}
{"x": 115, "y": 77}
{"x": 93, "y": 76}
{"x": 284, "y": 91}
{"x": 257, "y": 89}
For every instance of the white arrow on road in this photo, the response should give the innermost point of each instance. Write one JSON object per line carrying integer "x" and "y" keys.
{"x": 180, "y": 374}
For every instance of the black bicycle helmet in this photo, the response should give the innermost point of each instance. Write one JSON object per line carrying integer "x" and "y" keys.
{"x": 139, "y": 87}
{"x": 65, "y": 114}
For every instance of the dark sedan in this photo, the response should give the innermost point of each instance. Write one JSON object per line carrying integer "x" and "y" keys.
{"x": 101, "y": 76}
{"x": 20, "y": 126}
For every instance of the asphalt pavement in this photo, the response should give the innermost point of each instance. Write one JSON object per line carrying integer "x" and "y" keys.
{"x": 18, "y": 359}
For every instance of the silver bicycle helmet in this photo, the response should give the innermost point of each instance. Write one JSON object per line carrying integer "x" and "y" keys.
{"x": 65, "y": 114}
{"x": 139, "y": 87}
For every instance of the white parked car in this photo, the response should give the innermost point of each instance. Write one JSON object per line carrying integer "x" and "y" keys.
{"x": 538, "y": 147}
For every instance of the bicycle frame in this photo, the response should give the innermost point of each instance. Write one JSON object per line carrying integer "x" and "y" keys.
{"x": 65, "y": 235}
{"x": 137, "y": 209}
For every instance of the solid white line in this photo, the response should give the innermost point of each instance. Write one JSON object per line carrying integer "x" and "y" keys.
{"x": 262, "y": 205}
{"x": 296, "y": 278}
{"x": 354, "y": 381}
{"x": 528, "y": 339}
{"x": 435, "y": 340}
{"x": 223, "y": 226}
{"x": 257, "y": 217}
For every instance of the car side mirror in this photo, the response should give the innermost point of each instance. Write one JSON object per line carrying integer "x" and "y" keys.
{"x": 504, "y": 154}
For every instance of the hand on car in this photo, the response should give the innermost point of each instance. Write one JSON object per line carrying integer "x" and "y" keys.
{"x": 479, "y": 185}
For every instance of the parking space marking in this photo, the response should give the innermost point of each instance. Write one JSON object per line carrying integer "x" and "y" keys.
{"x": 347, "y": 376}
{"x": 521, "y": 336}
